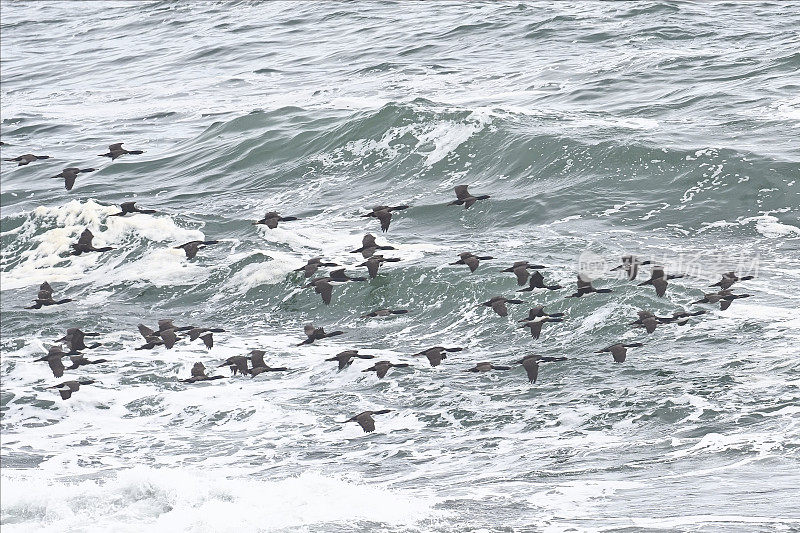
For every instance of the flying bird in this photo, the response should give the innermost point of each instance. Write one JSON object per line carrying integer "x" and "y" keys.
{"x": 70, "y": 174}
{"x": 630, "y": 264}
{"x": 520, "y": 269}
{"x": 191, "y": 248}
{"x": 383, "y": 312}
{"x": 316, "y": 334}
{"x": 619, "y": 350}
{"x": 116, "y": 150}
{"x": 365, "y": 419}
{"x": 24, "y": 159}
{"x": 658, "y": 279}
{"x": 369, "y": 247}
{"x": 313, "y": 265}
{"x": 486, "y": 367}
{"x": 346, "y": 357}
{"x": 66, "y": 388}
{"x": 84, "y": 244}
{"x": 382, "y": 367}
{"x": 498, "y": 304}
{"x": 471, "y": 260}
{"x": 199, "y": 374}
{"x": 272, "y": 218}
{"x": 130, "y": 208}
{"x": 531, "y": 364}
{"x": 384, "y": 214}
{"x": 585, "y": 287}
{"x": 463, "y": 197}
{"x": 375, "y": 261}
{"x": 436, "y": 354}
{"x": 537, "y": 282}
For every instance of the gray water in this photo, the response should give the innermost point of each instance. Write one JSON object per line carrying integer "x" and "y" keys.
{"x": 663, "y": 129}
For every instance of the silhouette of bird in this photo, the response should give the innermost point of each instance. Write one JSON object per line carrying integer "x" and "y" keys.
{"x": 323, "y": 287}
{"x": 498, "y": 304}
{"x": 375, "y": 261}
{"x": 369, "y": 247}
{"x": 520, "y": 269}
{"x": 75, "y": 340}
{"x": 384, "y": 214}
{"x": 130, "y": 208}
{"x": 536, "y": 324}
{"x": 585, "y": 287}
{"x": 315, "y": 334}
{"x": 471, "y": 260}
{"x": 237, "y": 364}
{"x": 272, "y": 218}
{"x": 81, "y": 360}
{"x": 725, "y": 298}
{"x": 191, "y": 248}
{"x": 728, "y": 279}
{"x": 537, "y": 282}
{"x": 384, "y": 312}
{"x": 199, "y": 374}
{"x": 436, "y": 354}
{"x": 619, "y": 350}
{"x": 365, "y": 419}
{"x": 66, "y": 388}
{"x": 382, "y": 367}
{"x": 463, "y": 197}
{"x": 531, "y": 364}
{"x": 346, "y": 357}
{"x": 24, "y": 159}
{"x": 313, "y": 265}
{"x": 53, "y": 359}
{"x": 70, "y": 174}
{"x": 84, "y": 244}
{"x": 116, "y": 150}
{"x": 658, "y": 279}
{"x": 630, "y": 264}
{"x": 486, "y": 367}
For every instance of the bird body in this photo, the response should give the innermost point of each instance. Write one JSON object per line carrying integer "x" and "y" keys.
{"x": 66, "y": 388}
{"x": 619, "y": 350}
{"x": 585, "y": 287}
{"x": 383, "y": 312}
{"x": 24, "y": 159}
{"x": 192, "y": 247}
{"x": 365, "y": 419}
{"x": 436, "y": 354}
{"x": 70, "y": 174}
{"x": 369, "y": 246}
{"x": 346, "y": 357}
{"x": 84, "y": 244}
{"x": 486, "y": 367}
{"x": 382, "y": 367}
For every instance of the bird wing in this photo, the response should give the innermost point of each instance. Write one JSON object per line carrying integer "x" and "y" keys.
{"x": 522, "y": 274}
{"x": 272, "y": 223}
{"x": 198, "y": 370}
{"x": 472, "y": 262}
{"x": 385, "y": 217}
{"x": 257, "y": 358}
{"x": 208, "y": 340}
{"x": 191, "y": 249}
{"x": 531, "y": 367}
{"x": 86, "y": 238}
{"x": 366, "y": 422}
{"x": 499, "y": 307}
{"x": 309, "y": 329}
{"x": 116, "y": 147}
{"x": 649, "y": 324}
{"x": 536, "y": 329}
{"x": 145, "y": 331}
{"x": 128, "y": 207}
{"x": 537, "y": 280}
{"x": 368, "y": 240}
{"x": 169, "y": 338}
{"x": 618, "y": 352}
{"x": 372, "y": 267}
{"x": 661, "y": 286}
{"x": 381, "y": 370}
{"x": 461, "y": 192}
{"x": 56, "y": 366}
{"x": 325, "y": 290}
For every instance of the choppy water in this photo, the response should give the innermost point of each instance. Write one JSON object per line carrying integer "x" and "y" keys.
{"x": 666, "y": 129}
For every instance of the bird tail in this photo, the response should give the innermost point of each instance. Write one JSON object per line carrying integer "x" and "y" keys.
{"x": 147, "y": 211}
{"x": 135, "y": 152}
{"x": 288, "y": 219}
{"x": 400, "y": 312}
{"x": 210, "y": 242}
{"x": 555, "y": 314}
{"x": 334, "y": 333}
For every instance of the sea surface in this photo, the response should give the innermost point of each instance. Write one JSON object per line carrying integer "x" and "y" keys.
{"x": 664, "y": 129}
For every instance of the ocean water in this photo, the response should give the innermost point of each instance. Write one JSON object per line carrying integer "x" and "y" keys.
{"x": 664, "y": 129}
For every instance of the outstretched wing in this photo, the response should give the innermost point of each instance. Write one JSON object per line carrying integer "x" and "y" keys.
{"x": 461, "y": 192}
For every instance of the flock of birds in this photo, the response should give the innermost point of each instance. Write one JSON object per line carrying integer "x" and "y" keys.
{"x": 527, "y": 275}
